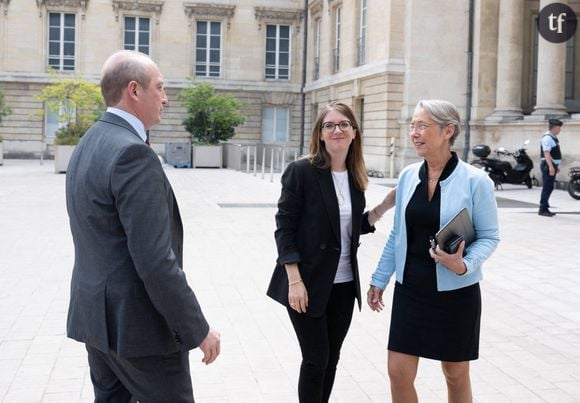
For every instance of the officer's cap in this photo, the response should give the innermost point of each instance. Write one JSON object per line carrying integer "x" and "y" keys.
{"x": 555, "y": 122}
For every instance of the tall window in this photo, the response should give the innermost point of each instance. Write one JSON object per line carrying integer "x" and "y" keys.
{"x": 52, "y": 124}
{"x": 137, "y": 34}
{"x": 208, "y": 48}
{"x": 275, "y": 124}
{"x": 571, "y": 94}
{"x": 336, "y": 50}
{"x": 570, "y": 58}
{"x": 61, "y": 41}
{"x": 362, "y": 32}
{"x": 317, "y": 51}
{"x": 278, "y": 52}
{"x": 530, "y": 94}
{"x": 57, "y": 119}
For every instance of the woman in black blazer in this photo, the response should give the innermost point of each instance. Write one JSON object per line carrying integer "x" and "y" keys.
{"x": 319, "y": 220}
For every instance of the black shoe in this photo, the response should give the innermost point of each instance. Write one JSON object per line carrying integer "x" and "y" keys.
{"x": 546, "y": 213}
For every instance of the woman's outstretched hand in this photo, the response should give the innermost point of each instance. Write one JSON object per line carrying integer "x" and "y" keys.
{"x": 375, "y": 298}
{"x": 389, "y": 201}
{"x": 381, "y": 208}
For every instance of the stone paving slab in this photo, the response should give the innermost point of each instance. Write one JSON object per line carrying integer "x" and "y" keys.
{"x": 531, "y": 297}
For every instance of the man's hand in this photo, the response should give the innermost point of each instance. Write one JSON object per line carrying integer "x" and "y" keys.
{"x": 210, "y": 346}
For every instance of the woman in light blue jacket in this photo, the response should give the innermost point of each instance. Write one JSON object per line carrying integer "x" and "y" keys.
{"x": 437, "y": 302}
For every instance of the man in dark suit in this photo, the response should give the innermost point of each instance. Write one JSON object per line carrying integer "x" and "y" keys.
{"x": 130, "y": 302}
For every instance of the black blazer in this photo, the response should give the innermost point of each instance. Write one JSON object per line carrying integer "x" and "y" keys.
{"x": 308, "y": 233}
{"x": 128, "y": 291}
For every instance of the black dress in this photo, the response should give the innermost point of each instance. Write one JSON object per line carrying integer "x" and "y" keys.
{"x": 425, "y": 322}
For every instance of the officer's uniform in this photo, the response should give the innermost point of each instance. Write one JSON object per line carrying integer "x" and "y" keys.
{"x": 551, "y": 144}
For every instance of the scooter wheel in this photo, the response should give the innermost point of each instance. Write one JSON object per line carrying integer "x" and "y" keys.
{"x": 528, "y": 182}
{"x": 574, "y": 188}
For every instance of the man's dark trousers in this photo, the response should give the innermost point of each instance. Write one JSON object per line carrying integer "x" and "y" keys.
{"x": 547, "y": 185}
{"x": 154, "y": 379}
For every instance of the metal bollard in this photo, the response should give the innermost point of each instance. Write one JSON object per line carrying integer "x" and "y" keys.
{"x": 263, "y": 160}
{"x": 255, "y": 159}
{"x": 283, "y": 160}
{"x": 392, "y": 159}
{"x": 272, "y": 166}
{"x": 248, "y": 154}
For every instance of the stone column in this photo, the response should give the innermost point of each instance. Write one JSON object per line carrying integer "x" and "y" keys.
{"x": 510, "y": 54}
{"x": 550, "y": 93}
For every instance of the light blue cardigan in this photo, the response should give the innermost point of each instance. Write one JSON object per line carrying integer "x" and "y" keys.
{"x": 465, "y": 187}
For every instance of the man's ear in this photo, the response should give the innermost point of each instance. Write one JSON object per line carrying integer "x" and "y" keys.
{"x": 132, "y": 86}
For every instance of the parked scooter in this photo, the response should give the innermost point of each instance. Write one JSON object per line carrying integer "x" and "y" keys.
{"x": 574, "y": 184}
{"x": 501, "y": 171}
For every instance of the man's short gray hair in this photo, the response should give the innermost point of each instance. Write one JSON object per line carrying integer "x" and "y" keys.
{"x": 120, "y": 69}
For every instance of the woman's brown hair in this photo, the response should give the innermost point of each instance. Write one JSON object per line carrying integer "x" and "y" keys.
{"x": 320, "y": 158}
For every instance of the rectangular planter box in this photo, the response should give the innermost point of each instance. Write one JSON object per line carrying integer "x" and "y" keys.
{"x": 207, "y": 156}
{"x": 62, "y": 156}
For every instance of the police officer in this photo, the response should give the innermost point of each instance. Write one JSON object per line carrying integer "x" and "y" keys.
{"x": 551, "y": 156}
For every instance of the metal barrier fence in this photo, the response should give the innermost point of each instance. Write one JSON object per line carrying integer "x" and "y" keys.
{"x": 258, "y": 158}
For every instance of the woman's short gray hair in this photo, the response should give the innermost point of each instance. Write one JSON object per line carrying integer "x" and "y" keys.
{"x": 443, "y": 113}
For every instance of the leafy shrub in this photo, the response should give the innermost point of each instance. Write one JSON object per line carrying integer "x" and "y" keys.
{"x": 70, "y": 134}
{"x": 211, "y": 117}
{"x": 78, "y": 104}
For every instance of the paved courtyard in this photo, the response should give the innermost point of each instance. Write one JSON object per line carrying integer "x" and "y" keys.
{"x": 530, "y": 340}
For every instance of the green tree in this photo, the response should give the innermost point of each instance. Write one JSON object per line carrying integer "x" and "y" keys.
{"x": 4, "y": 109}
{"x": 78, "y": 104}
{"x": 211, "y": 117}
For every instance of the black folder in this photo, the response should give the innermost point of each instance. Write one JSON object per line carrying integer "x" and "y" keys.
{"x": 459, "y": 226}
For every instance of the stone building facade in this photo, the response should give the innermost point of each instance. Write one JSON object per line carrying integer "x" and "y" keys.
{"x": 383, "y": 56}
{"x": 247, "y": 48}
{"x": 379, "y": 56}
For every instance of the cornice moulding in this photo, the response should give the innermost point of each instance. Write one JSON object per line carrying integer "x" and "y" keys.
{"x": 4, "y": 4}
{"x": 62, "y": 4}
{"x": 136, "y": 5}
{"x": 315, "y": 7}
{"x": 205, "y": 11}
{"x": 286, "y": 15}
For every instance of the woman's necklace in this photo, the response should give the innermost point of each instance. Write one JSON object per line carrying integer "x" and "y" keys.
{"x": 433, "y": 179}
{"x": 339, "y": 195}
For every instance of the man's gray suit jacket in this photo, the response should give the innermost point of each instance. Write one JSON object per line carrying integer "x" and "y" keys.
{"x": 128, "y": 291}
